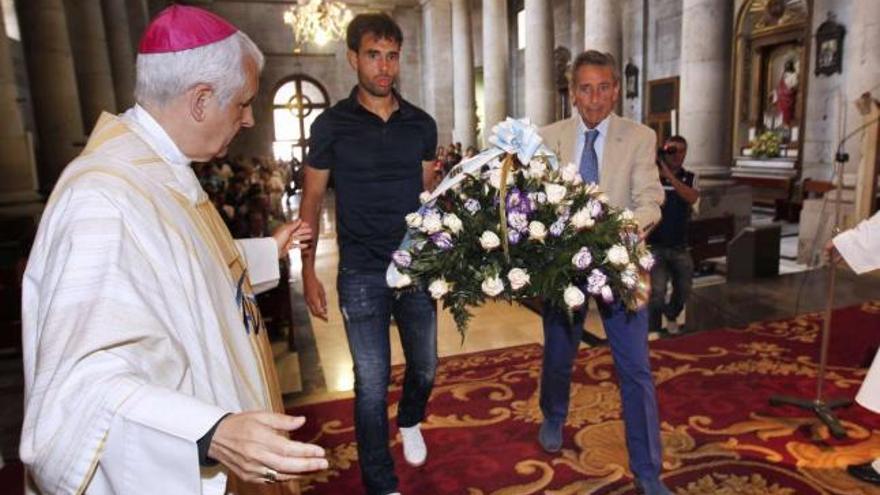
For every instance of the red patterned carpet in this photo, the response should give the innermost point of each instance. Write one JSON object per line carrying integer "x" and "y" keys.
{"x": 720, "y": 434}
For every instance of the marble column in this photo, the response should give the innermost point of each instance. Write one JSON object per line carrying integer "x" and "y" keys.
{"x": 436, "y": 73}
{"x": 16, "y": 168}
{"x": 463, "y": 74}
{"x": 121, "y": 51}
{"x": 53, "y": 86}
{"x": 577, "y": 27}
{"x": 539, "y": 68}
{"x": 703, "y": 106}
{"x": 861, "y": 68}
{"x": 602, "y": 27}
{"x": 496, "y": 53}
{"x": 91, "y": 59}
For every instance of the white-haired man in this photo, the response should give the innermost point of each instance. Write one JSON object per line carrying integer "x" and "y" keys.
{"x": 142, "y": 341}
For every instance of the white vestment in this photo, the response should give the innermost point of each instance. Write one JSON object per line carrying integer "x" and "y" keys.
{"x": 860, "y": 247}
{"x": 134, "y": 338}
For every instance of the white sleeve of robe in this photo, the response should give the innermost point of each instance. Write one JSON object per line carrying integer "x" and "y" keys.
{"x": 860, "y": 246}
{"x": 261, "y": 256}
{"x": 105, "y": 372}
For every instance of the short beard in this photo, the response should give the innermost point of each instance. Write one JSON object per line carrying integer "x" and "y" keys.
{"x": 373, "y": 89}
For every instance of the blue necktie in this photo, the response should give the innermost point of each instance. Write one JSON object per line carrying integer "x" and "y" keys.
{"x": 589, "y": 161}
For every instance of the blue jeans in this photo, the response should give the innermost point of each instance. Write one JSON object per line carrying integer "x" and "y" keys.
{"x": 673, "y": 264}
{"x": 628, "y": 339}
{"x": 367, "y": 304}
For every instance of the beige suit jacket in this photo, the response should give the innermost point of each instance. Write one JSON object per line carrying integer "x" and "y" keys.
{"x": 628, "y": 173}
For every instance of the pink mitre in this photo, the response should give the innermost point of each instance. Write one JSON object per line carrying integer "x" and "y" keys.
{"x": 181, "y": 27}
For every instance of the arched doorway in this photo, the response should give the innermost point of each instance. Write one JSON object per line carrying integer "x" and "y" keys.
{"x": 297, "y": 102}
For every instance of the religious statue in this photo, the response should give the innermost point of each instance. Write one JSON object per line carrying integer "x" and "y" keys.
{"x": 783, "y": 99}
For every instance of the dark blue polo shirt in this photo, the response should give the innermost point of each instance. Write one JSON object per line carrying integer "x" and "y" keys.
{"x": 676, "y": 214}
{"x": 377, "y": 172}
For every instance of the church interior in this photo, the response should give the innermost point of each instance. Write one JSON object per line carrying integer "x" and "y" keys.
{"x": 778, "y": 100}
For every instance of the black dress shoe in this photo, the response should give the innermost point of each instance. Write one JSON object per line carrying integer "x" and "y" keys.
{"x": 592, "y": 340}
{"x": 864, "y": 472}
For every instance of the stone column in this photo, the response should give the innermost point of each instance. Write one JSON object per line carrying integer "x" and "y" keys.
{"x": 16, "y": 168}
{"x": 861, "y": 68}
{"x": 463, "y": 74}
{"x": 436, "y": 73}
{"x": 53, "y": 86}
{"x": 91, "y": 59}
{"x": 539, "y": 69}
{"x": 577, "y": 27}
{"x": 121, "y": 52}
{"x": 602, "y": 27}
{"x": 703, "y": 115}
{"x": 495, "y": 64}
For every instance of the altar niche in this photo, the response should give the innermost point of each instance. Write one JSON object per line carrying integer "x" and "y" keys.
{"x": 770, "y": 68}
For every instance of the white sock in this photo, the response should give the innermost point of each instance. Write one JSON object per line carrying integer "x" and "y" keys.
{"x": 414, "y": 449}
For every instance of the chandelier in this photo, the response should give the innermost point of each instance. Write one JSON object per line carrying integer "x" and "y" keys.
{"x": 317, "y": 21}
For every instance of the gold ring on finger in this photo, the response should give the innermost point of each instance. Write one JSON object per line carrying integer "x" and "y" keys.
{"x": 271, "y": 476}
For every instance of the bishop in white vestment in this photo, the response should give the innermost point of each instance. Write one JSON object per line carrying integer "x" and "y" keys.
{"x": 140, "y": 331}
{"x": 860, "y": 248}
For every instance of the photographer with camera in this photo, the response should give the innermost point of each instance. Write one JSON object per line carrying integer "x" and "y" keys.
{"x": 669, "y": 241}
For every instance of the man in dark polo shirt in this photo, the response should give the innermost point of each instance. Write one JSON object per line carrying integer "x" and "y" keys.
{"x": 380, "y": 150}
{"x": 669, "y": 241}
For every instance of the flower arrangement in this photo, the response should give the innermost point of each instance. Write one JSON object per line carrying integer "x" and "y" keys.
{"x": 515, "y": 226}
{"x": 766, "y": 145}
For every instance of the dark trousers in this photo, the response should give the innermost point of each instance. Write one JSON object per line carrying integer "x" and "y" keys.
{"x": 367, "y": 304}
{"x": 670, "y": 264}
{"x": 628, "y": 339}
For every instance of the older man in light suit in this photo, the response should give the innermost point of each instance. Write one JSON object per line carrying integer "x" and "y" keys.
{"x": 618, "y": 154}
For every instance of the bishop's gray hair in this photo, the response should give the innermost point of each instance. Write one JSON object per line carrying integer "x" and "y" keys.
{"x": 161, "y": 77}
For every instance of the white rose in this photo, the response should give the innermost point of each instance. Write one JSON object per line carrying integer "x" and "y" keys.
{"x": 492, "y": 286}
{"x": 519, "y": 278}
{"x": 555, "y": 193}
{"x": 414, "y": 220}
{"x": 431, "y": 223}
{"x": 627, "y": 215}
{"x": 646, "y": 261}
{"x": 582, "y": 219}
{"x": 451, "y": 221}
{"x": 617, "y": 255}
{"x": 495, "y": 178}
{"x": 537, "y": 169}
{"x": 424, "y": 197}
{"x": 573, "y": 297}
{"x": 403, "y": 281}
{"x": 489, "y": 240}
{"x": 570, "y": 172}
{"x": 438, "y": 288}
{"x": 606, "y": 294}
{"x": 537, "y": 231}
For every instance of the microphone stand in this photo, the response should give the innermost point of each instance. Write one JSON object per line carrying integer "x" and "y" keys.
{"x": 822, "y": 407}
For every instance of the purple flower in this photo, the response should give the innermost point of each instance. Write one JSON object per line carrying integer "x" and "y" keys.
{"x": 519, "y": 221}
{"x": 402, "y": 258}
{"x": 519, "y": 201}
{"x": 595, "y": 208}
{"x": 582, "y": 259}
{"x": 443, "y": 240}
{"x": 513, "y": 236}
{"x": 596, "y": 281}
{"x": 557, "y": 228}
{"x": 472, "y": 205}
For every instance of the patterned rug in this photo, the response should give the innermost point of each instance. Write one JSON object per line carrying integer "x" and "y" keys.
{"x": 720, "y": 435}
